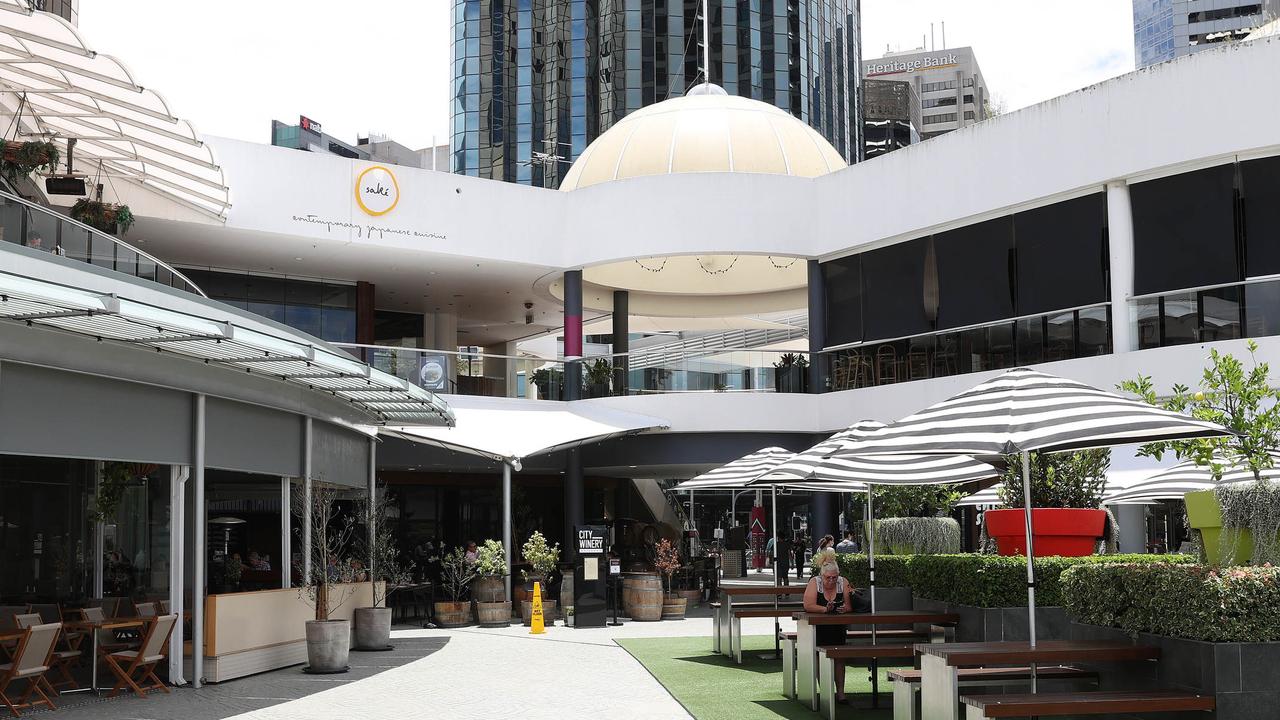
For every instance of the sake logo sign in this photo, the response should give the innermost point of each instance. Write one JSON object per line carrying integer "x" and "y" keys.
{"x": 377, "y": 191}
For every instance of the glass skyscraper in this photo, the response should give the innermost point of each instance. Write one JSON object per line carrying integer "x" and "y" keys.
{"x": 535, "y": 81}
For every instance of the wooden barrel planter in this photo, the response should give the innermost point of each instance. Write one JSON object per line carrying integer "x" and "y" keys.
{"x": 493, "y": 614}
{"x": 489, "y": 589}
{"x": 548, "y": 611}
{"x": 673, "y": 607}
{"x": 453, "y": 614}
{"x": 642, "y": 597}
{"x": 691, "y": 597}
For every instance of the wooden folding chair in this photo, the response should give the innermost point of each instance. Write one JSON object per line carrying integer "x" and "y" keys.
{"x": 62, "y": 659}
{"x": 108, "y": 641}
{"x": 134, "y": 667}
{"x": 30, "y": 663}
{"x": 145, "y": 609}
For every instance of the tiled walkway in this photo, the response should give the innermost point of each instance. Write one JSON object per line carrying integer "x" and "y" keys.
{"x": 467, "y": 673}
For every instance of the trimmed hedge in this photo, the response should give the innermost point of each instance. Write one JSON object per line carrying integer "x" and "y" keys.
{"x": 983, "y": 580}
{"x": 1239, "y": 604}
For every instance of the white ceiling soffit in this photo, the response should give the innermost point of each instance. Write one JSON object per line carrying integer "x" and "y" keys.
{"x": 290, "y": 357}
{"x": 122, "y": 129}
{"x": 653, "y": 325}
{"x": 509, "y": 430}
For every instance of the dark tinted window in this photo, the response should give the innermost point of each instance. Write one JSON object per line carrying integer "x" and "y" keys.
{"x": 1184, "y": 231}
{"x": 1261, "y": 180}
{"x": 1062, "y": 255}
{"x": 843, "y": 281}
{"x": 974, "y": 283}
{"x": 893, "y": 281}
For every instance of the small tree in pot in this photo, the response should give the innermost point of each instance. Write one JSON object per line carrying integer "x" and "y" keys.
{"x": 544, "y": 559}
{"x": 667, "y": 563}
{"x": 1066, "y": 499}
{"x": 456, "y": 574}
{"x": 323, "y": 577}
{"x": 387, "y": 572}
{"x": 490, "y": 592}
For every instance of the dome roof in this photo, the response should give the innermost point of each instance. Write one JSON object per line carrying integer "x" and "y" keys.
{"x": 705, "y": 131}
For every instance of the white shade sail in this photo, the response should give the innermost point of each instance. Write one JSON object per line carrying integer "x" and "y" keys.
{"x": 1187, "y": 477}
{"x": 60, "y": 89}
{"x": 509, "y": 431}
{"x": 825, "y": 463}
{"x": 1026, "y": 410}
{"x": 739, "y": 473}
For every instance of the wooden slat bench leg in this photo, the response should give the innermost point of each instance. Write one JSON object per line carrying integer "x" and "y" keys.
{"x": 789, "y": 668}
{"x": 904, "y": 701}
{"x": 827, "y": 686}
{"x": 940, "y": 689}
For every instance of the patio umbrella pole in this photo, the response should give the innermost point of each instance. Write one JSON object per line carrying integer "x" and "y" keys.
{"x": 871, "y": 556}
{"x": 777, "y": 581}
{"x": 1031, "y": 571}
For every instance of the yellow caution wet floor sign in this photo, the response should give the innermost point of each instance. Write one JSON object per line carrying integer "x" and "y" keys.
{"x": 535, "y": 618}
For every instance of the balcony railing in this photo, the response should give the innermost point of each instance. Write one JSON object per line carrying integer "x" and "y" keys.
{"x": 25, "y": 223}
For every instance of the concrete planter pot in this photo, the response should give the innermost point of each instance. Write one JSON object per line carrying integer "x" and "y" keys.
{"x": 1222, "y": 546}
{"x": 372, "y": 629}
{"x": 328, "y": 646}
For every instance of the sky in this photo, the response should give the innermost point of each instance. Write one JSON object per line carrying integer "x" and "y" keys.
{"x": 232, "y": 66}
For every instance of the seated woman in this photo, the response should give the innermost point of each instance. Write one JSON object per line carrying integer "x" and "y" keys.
{"x": 829, "y": 592}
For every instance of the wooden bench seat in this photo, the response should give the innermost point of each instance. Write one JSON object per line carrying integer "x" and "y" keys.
{"x": 906, "y": 682}
{"x": 1085, "y": 703}
{"x": 866, "y": 634}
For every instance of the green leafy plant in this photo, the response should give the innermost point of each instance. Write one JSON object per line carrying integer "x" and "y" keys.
{"x": 667, "y": 562}
{"x": 1239, "y": 604}
{"x": 456, "y": 573}
{"x": 332, "y": 539}
{"x": 389, "y": 571}
{"x": 115, "y": 478}
{"x": 786, "y": 360}
{"x": 1229, "y": 394}
{"x": 106, "y": 217}
{"x": 1253, "y": 506}
{"x": 1058, "y": 480}
{"x": 21, "y": 159}
{"x": 909, "y": 500}
{"x": 917, "y": 536}
{"x": 541, "y": 556}
{"x": 491, "y": 559}
{"x": 599, "y": 372}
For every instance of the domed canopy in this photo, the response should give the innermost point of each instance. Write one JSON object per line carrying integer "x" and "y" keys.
{"x": 704, "y": 132}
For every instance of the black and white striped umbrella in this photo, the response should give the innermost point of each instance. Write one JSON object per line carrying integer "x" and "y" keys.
{"x": 827, "y": 464}
{"x": 1187, "y": 477}
{"x": 1024, "y": 410}
{"x": 738, "y": 473}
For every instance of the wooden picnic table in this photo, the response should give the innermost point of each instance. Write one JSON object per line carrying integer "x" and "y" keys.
{"x": 807, "y": 645}
{"x": 722, "y": 640}
{"x": 939, "y": 679}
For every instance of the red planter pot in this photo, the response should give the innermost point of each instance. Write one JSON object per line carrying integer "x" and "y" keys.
{"x": 1070, "y": 532}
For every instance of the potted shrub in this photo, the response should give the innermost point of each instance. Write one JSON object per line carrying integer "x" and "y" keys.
{"x": 328, "y": 640}
{"x": 598, "y": 377}
{"x": 791, "y": 373}
{"x": 388, "y": 572}
{"x": 489, "y": 589}
{"x": 1242, "y": 399}
{"x": 667, "y": 563}
{"x": 110, "y": 218}
{"x": 20, "y": 159}
{"x": 543, "y": 558}
{"x": 456, "y": 574}
{"x": 1066, "y": 499}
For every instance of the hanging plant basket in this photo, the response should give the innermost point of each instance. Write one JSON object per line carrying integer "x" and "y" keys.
{"x": 20, "y": 159}
{"x": 108, "y": 217}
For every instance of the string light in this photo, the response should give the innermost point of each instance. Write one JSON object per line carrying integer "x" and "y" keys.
{"x": 721, "y": 271}
{"x": 658, "y": 269}
{"x": 775, "y": 264}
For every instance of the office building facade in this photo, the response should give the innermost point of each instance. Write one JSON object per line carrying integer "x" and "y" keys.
{"x": 948, "y": 82}
{"x": 535, "y": 81}
{"x": 890, "y": 116}
{"x": 1166, "y": 29}
{"x": 308, "y": 135}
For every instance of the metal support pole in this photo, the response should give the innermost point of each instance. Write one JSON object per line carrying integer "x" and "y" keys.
{"x": 373, "y": 501}
{"x": 99, "y": 536}
{"x": 306, "y": 499}
{"x": 777, "y": 581}
{"x": 1031, "y": 569}
{"x": 506, "y": 522}
{"x": 178, "y": 475}
{"x": 871, "y": 554}
{"x": 286, "y": 532}
{"x": 201, "y": 560}
{"x": 706, "y": 42}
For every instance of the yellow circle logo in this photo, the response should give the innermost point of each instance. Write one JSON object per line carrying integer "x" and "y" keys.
{"x": 377, "y": 191}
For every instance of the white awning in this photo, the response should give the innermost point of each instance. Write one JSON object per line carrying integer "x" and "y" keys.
{"x": 61, "y": 89}
{"x": 509, "y": 430}
{"x": 217, "y": 336}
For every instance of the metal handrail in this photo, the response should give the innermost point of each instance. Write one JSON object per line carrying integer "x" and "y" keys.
{"x": 536, "y": 358}
{"x": 59, "y": 217}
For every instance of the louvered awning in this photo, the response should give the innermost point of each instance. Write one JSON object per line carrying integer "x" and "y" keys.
{"x": 290, "y": 357}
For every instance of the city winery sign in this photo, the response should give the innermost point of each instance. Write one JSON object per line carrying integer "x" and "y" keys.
{"x": 927, "y": 62}
{"x": 377, "y": 191}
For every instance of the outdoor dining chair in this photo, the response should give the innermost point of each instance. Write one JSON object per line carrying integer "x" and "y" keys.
{"x": 63, "y": 658}
{"x": 30, "y": 663}
{"x": 145, "y": 609}
{"x": 134, "y": 667}
{"x": 107, "y": 640}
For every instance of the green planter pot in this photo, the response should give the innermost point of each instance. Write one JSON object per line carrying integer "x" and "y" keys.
{"x": 1222, "y": 546}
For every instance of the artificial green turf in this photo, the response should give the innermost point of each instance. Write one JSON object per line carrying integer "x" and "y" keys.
{"x": 713, "y": 687}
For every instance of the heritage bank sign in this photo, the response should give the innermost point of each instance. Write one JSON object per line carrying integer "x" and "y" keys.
{"x": 893, "y": 67}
